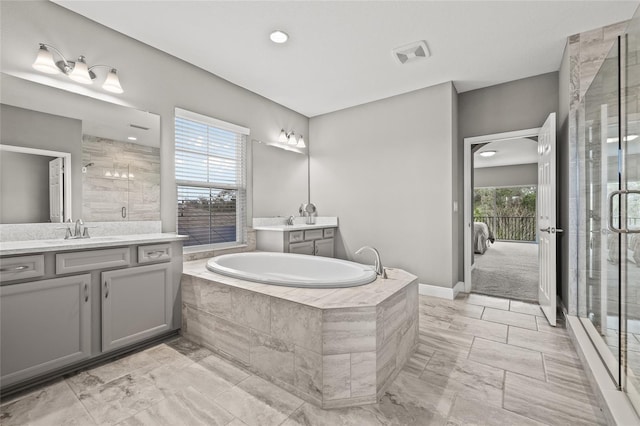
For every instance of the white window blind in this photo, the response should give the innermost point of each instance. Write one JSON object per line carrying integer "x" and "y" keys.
{"x": 211, "y": 169}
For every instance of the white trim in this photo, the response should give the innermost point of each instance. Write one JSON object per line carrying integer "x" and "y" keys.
{"x": 441, "y": 292}
{"x": 194, "y": 116}
{"x": 66, "y": 158}
{"x": 617, "y": 405}
{"x": 518, "y": 134}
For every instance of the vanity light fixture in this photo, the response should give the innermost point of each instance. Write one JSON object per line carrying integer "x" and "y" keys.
{"x": 487, "y": 153}
{"x": 77, "y": 70}
{"x": 301, "y": 143}
{"x": 289, "y": 138}
{"x": 279, "y": 37}
{"x": 626, "y": 139}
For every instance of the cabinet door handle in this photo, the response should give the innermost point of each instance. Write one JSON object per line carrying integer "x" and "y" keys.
{"x": 86, "y": 293}
{"x": 156, "y": 253}
{"x": 15, "y": 268}
{"x": 106, "y": 288}
{"x": 124, "y": 212}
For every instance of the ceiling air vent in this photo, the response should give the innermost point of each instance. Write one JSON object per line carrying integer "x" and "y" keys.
{"x": 411, "y": 52}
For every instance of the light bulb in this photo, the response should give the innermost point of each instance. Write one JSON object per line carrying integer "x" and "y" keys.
{"x": 112, "y": 82}
{"x": 291, "y": 140}
{"x": 301, "y": 143}
{"x": 107, "y": 173}
{"x": 116, "y": 174}
{"x": 283, "y": 137}
{"x": 279, "y": 37}
{"x": 44, "y": 61}
{"x": 80, "y": 72}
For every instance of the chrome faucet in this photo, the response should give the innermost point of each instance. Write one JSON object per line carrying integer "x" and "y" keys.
{"x": 78, "y": 230}
{"x": 290, "y": 220}
{"x": 380, "y": 271}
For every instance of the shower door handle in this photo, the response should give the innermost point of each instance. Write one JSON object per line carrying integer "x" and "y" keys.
{"x": 612, "y": 228}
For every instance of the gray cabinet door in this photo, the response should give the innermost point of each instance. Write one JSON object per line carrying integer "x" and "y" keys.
{"x": 44, "y": 325}
{"x": 136, "y": 304}
{"x": 305, "y": 247}
{"x": 324, "y": 247}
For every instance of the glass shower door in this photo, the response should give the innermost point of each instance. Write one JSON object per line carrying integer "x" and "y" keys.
{"x": 628, "y": 205}
{"x": 601, "y": 307}
{"x": 609, "y": 176}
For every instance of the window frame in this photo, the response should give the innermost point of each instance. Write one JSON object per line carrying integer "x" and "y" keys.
{"x": 241, "y": 187}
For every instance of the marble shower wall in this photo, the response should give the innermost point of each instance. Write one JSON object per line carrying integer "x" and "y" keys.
{"x": 587, "y": 52}
{"x": 104, "y": 189}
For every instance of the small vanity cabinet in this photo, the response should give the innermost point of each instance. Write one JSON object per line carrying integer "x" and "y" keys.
{"x": 316, "y": 241}
{"x": 59, "y": 308}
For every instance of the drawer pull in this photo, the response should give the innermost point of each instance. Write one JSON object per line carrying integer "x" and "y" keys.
{"x": 156, "y": 253}
{"x": 15, "y": 268}
{"x": 86, "y": 293}
{"x": 106, "y": 288}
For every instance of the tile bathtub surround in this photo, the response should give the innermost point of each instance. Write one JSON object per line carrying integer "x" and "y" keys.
{"x": 327, "y": 346}
{"x": 182, "y": 383}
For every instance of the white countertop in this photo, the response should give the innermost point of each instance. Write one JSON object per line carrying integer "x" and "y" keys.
{"x": 8, "y": 248}
{"x": 278, "y": 223}
{"x": 296, "y": 227}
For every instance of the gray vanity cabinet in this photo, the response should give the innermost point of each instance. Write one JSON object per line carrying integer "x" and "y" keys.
{"x": 44, "y": 325}
{"x": 137, "y": 303}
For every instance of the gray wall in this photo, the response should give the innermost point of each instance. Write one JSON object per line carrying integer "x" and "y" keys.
{"x": 521, "y": 174}
{"x": 153, "y": 81}
{"x": 516, "y": 105}
{"x": 32, "y": 129}
{"x": 24, "y": 188}
{"x": 386, "y": 170}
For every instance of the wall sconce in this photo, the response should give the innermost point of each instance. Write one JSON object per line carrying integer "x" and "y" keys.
{"x": 77, "y": 71}
{"x": 290, "y": 139}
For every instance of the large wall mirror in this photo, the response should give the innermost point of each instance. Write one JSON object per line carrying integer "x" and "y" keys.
{"x": 280, "y": 180}
{"x": 110, "y": 157}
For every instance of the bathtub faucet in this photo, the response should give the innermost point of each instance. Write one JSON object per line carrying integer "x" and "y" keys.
{"x": 380, "y": 271}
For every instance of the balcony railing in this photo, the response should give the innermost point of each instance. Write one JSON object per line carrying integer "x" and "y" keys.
{"x": 510, "y": 228}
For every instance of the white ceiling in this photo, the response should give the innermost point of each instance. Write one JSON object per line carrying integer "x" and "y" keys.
{"x": 339, "y": 53}
{"x": 509, "y": 152}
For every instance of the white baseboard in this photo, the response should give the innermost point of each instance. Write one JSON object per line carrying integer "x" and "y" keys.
{"x": 441, "y": 292}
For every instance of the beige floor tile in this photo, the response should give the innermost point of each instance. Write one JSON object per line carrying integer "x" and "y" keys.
{"x": 54, "y": 404}
{"x": 547, "y": 403}
{"x": 510, "y": 318}
{"x": 487, "y": 301}
{"x": 547, "y": 343}
{"x": 508, "y": 357}
{"x": 473, "y": 412}
{"x": 480, "y": 328}
{"x": 525, "y": 308}
{"x": 186, "y": 407}
{"x": 258, "y": 402}
{"x": 465, "y": 377}
{"x": 452, "y": 342}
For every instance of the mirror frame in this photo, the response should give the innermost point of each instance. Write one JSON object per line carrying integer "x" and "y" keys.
{"x": 67, "y": 170}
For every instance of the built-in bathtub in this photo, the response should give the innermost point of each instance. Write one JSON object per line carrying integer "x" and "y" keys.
{"x": 333, "y": 347}
{"x": 292, "y": 270}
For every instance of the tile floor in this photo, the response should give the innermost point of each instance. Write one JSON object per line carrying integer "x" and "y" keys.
{"x": 481, "y": 360}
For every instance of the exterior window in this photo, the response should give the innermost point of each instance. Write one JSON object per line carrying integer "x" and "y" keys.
{"x": 211, "y": 170}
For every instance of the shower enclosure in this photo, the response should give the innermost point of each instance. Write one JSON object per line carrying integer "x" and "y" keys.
{"x": 609, "y": 212}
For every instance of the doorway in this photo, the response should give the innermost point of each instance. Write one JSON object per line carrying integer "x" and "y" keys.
{"x": 501, "y": 238}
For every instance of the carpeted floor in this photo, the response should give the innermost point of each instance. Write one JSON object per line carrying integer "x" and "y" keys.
{"x": 507, "y": 270}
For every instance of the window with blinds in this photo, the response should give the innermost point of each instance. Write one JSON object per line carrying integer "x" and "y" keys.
{"x": 211, "y": 169}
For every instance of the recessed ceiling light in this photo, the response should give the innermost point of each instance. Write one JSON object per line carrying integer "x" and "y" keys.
{"x": 488, "y": 153}
{"x": 132, "y": 138}
{"x": 279, "y": 37}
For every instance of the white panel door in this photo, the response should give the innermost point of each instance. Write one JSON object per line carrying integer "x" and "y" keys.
{"x": 56, "y": 186}
{"x": 547, "y": 218}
